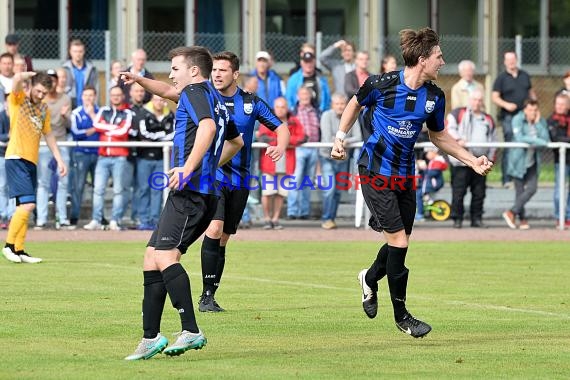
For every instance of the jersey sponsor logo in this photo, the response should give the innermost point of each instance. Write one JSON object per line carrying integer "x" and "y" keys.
{"x": 248, "y": 108}
{"x": 404, "y": 129}
{"x": 411, "y": 97}
{"x": 430, "y": 105}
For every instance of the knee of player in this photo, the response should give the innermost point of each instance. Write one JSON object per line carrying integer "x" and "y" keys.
{"x": 215, "y": 229}
{"x": 28, "y": 206}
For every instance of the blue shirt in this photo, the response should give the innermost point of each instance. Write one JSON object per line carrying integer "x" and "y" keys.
{"x": 393, "y": 119}
{"x": 245, "y": 109}
{"x": 200, "y": 101}
{"x": 80, "y": 123}
{"x": 79, "y": 74}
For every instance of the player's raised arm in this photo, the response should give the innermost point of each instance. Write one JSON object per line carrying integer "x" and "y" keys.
{"x": 164, "y": 90}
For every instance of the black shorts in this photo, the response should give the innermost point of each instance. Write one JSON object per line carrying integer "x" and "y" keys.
{"x": 230, "y": 207}
{"x": 184, "y": 218}
{"x": 392, "y": 208}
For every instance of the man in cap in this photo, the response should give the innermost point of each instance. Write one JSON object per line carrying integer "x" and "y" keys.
{"x": 270, "y": 85}
{"x": 307, "y": 76}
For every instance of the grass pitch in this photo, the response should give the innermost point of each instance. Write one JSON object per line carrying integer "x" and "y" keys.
{"x": 498, "y": 310}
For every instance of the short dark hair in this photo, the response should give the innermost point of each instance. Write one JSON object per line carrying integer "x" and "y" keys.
{"x": 416, "y": 44}
{"x": 228, "y": 56}
{"x": 89, "y": 87}
{"x": 195, "y": 56}
{"x": 530, "y": 102}
{"x": 7, "y": 55}
{"x": 43, "y": 79}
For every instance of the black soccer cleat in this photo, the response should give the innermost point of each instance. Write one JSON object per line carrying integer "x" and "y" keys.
{"x": 208, "y": 303}
{"x": 369, "y": 296}
{"x": 413, "y": 327}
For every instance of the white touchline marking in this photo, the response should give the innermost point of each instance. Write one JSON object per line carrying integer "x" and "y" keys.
{"x": 356, "y": 290}
{"x": 449, "y": 302}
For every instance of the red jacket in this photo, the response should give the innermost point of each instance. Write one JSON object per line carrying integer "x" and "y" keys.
{"x": 113, "y": 125}
{"x": 266, "y": 135}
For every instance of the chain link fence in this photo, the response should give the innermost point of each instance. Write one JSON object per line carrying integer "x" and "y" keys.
{"x": 158, "y": 44}
{"x": 44, "y": 44}
{"x": 284, "y": 48}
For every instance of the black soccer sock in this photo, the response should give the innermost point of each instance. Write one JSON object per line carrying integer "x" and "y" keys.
{"x": 178, "y": 286}
{"x": 378, "y": 269}
{"x": 397, "y": 279}
{"x": 153, "y": 302}
{"x": 210, "y": 254}
{"x": 220, "y": 267}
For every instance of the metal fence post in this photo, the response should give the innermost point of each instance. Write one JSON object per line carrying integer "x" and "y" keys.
{"x": 63, "y": 29}
{"x": 518, "y": 50}
{"x": 107, "y": 63}
{"x": 319, "y": 47}
{"x": 562, "y": 187}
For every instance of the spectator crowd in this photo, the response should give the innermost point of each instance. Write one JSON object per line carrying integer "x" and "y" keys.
{"x": 311, "y": 106}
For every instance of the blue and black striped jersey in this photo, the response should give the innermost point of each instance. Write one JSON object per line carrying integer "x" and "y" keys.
{"x": 393, "y": 119}
{"x": 245, "y": 109}
{"x": 200, "y": 101}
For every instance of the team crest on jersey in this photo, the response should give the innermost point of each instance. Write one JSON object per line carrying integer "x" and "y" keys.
{"x": 248, "y": 108}
{"x": 430, "y": 105}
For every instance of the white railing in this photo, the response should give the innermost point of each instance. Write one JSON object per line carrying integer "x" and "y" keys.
{"x": 562, "y": 148}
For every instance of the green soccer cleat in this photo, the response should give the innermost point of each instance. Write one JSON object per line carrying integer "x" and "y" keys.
{"x": 186, "y": 341}
{"x": 147, "y": 348}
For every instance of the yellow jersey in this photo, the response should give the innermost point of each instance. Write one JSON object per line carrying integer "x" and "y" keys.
{"x": 28, "y": 122}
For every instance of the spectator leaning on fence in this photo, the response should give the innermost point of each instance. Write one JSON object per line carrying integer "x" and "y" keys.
{"x": 274, "y": 183}
{"x": 80, "y": 72}
{"x": 559, "y": 129}
{"x": 299, "y": 202}
{"x": 84, "y": 158}
{"x": 524, "y": 163}
{"x": 59, "y": 106}
{"x": 510, "y": 90}
{"x": 136, "y": 105}
{"x": 330, "y": 168}
{"x": 113, "y": 123}
{"x": 465, "y": 86}
{"x": 157, "y": 124}
{"x": 470, "y": 125}
{"x": 339, "y": 67}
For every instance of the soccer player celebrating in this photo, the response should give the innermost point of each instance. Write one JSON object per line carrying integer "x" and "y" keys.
{"x": 201, "y": 119}
{"x": 29, "y": 120}
{"x": 244, "y": 109}
{"x": 396, "y": 104}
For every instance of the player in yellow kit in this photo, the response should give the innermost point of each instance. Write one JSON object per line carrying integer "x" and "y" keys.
{"x": 29, "y": 120}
